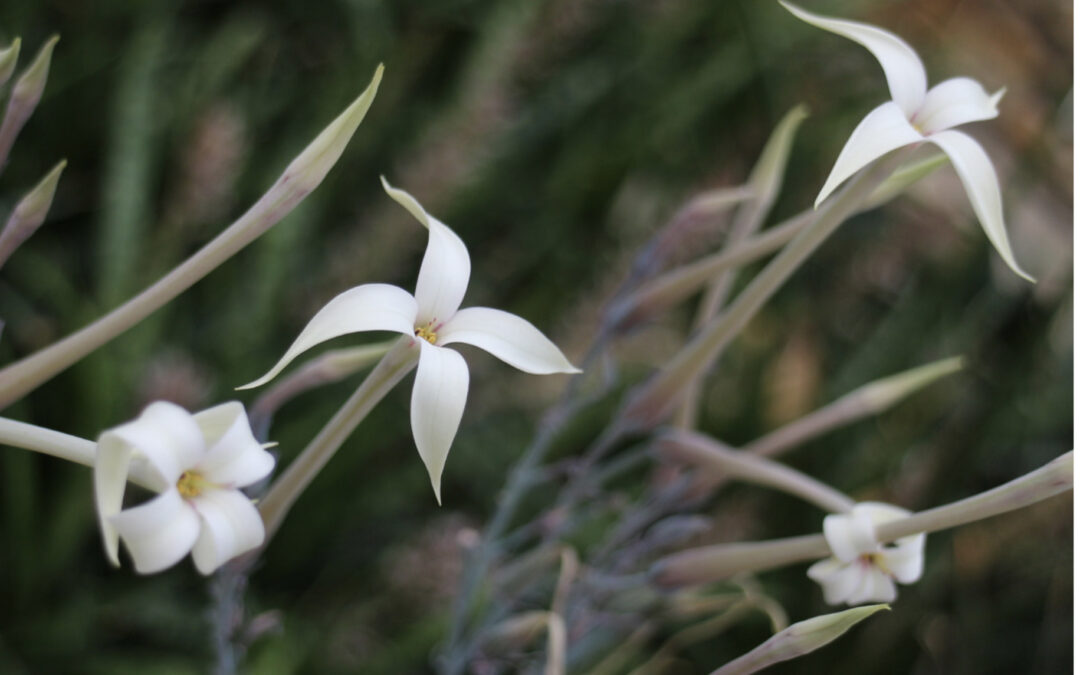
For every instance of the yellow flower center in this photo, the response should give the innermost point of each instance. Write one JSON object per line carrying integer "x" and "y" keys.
{"x": 876, "y": 560}
{"x": 191, "y": 484}
{"x": 425, "y": 333}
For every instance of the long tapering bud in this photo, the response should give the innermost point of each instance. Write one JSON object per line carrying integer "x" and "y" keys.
{"x": 24, "y": 97}
{"x": 8, "y": 58}
{"x": 303, "y": 175}
{"x": 799, "y": 639}
{"x": 29, "y": 213}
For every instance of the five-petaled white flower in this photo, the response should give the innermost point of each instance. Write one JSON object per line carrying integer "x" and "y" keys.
{"x": 199, "y": 462}
{"x": 861, "y": 569}
{"x": 915, "y": 115}
{"x": 433, "y": 321}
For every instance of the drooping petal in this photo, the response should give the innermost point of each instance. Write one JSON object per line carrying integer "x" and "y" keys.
{"x": 838, "y": 580}
{"x": 903, "y": 68}
{"x": 886, "y": 128}
{"x": 110, "y": 479}
{"x": 158, "y": 533}
{"x": 444, "y": 272}
{"x": 364, "y": 308}
{"x": 438, "y": 401}
{"x": 954, "y": 102}
{"x": 234, "y": 458}
{"x": 508, "y": 337}
{"x": 904, "y": 560}
{"x": 231, "y": 525}
{"x": 981, "y": 184}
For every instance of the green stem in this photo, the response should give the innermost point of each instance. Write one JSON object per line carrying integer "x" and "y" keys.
{"x": 397, "y": 363}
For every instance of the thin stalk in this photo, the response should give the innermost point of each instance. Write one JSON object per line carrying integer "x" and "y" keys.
{"x": 283, "y": 493}
{"x": 65, "y": 446}
{"x": 654, "y": 401}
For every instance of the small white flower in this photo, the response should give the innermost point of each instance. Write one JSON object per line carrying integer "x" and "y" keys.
{"x": 199, "y": 461}
{"x": 433, "y": 319}
{"x": 915, "y": 115}
{"x": 861, "y": 569}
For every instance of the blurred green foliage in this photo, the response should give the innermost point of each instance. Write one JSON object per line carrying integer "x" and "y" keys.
{"x": 554, "y": 137}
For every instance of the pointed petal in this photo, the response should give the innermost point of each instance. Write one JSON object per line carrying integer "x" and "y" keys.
{"x": 903, "y": 68}
{"x": 981, "y": 184}
{"x": 234, "y": 458}
{"x": 444, "y": 273}
{"x": 438, "y": 401}
{"x": 231, "y": 525}
{"x": 955, "y": 102}
{"x": 507, "y": 337}
{"x": 110, "y": 478}
{"x": 364, "y": 308}
{"x": 158, "y": 533}
{"x": 906, "y": 565}
{"x": 883, "y": 130}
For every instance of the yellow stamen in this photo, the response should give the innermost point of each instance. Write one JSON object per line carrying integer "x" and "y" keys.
{"x": 425, "y": 333}
{"x": 191, "y": 484}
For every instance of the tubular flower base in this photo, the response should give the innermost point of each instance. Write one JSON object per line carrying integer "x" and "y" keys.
{"x": 200, "y": 462}
{"x": 915, "y": 115}
{"x": 433, "y": 319}
{"x": 862, "y": 570}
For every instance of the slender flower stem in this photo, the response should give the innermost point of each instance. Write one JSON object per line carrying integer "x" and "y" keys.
{"x": 298, "y": 180}
{"x": 397, "y": 363}
{"x": 655, "y": 400}
{"x": 714, "y": 563}
{"x": 719, "y": 460}
{"x": 64, "y": 446}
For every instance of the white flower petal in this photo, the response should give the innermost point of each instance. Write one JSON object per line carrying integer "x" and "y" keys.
{"x": 164, "y": 434}
{"x": 364, "y": 308}
{"x": 875, "y": 586}
{"x": 231, "y": 525}
{"x": 111, "y": 464}
{"x": 508, "y": 337}
{"x": 886, "y": 128}
{"x": 838, "y": 580}
{"x": 955, "y": 102}
{"x": 444, "y": 272}
{"x": 158, "y": 533}
{"x": 850, "y": 535}
{"x": 903, "y": 68}
{"x": 234, "y": 458}
{"x": 438, "y": 401}
{"x": 981, "y": 184}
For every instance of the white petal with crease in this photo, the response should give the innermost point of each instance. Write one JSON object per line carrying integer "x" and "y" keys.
{"x": 230, "y": 526}
{"x": 158, "y": 533}
{"x": 884, "y": 129}
{"x": 904, "y": 69}
{"x": 507, "y": 337}
{"x": 166, "y": 435}
{"x": 234, "y": 458}
{"x": 364, "y": 308}
{"x": 981, "y": 184}
{"x": 444, "y": 272}
{"x": 438, "y": 401}
{"x": 110, "y": 479}
{"x": 954, "y": 102}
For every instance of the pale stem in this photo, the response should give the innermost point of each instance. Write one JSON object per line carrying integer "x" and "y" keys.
{"x": 397, "y": 363}
{"x": 298, "y": 180}
{"x": 64, "y": 446}
{"x": 718, "y": 460}
{"x": 655, "y": 400}
{"x": 714, "y": 563}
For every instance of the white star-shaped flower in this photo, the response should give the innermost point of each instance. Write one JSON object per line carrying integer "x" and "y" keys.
{"x": 434, "y": 321}
{"x": 915, "y": 115}
{"x": 861, "y": 569}
{"x": 200, "y": 462}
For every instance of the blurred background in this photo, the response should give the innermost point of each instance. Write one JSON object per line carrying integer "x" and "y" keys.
{"x": 555, "y": 138}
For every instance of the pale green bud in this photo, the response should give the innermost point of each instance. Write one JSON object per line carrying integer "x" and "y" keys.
{"x": 29, "y": 213}
{"x": 8, "y": 58}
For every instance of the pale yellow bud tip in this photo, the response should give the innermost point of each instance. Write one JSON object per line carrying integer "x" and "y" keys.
{"x": 8, "y": 58}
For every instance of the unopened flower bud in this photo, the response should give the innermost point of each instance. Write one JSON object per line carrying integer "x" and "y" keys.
{"x": 29, "y": 213}
{"x": 8, "y": 58}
